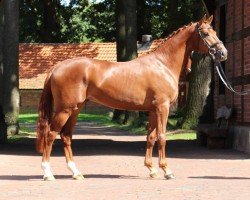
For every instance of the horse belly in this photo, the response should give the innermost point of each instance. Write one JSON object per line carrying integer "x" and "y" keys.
{"x": 120, "y": 100}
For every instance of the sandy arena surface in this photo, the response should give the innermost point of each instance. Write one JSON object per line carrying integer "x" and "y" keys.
{"x": 112, "y": 162}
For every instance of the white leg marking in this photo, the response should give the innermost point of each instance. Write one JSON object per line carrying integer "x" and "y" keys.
{"x": 47, "y": 171}
{"x": 153, "y": 172}
{"x": 168, "y": 171}
{"x": 169, "y": 174}
{"x": 72, "y": 167}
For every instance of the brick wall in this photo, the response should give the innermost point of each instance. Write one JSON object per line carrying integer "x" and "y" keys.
{"x": 30, "y": 99}
{"x": 238, "y": 63}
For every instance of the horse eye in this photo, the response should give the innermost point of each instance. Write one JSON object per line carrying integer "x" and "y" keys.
{"x": 205, "y": 34}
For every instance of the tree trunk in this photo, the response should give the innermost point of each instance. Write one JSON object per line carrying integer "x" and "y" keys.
{"x": 207, "y": 116}
{"x": 126, "y": 30}
{"x": 10, "y": 66}
{"x": 3, "y": 130}
{"x": 208, "y": 113}
{"x": 126, "y": 42}
{"x": 200, "y": 79}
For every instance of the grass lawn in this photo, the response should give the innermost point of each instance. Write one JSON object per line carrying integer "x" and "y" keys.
{"x": 106, "y": 120}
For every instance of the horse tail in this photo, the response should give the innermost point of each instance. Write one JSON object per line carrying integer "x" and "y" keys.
{"x": 45, "y": 112}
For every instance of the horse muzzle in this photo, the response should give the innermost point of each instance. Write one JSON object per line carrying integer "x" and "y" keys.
{"x": 221, "y": 55}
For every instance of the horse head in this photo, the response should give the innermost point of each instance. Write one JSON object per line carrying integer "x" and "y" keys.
{"x": 208, "y": 40}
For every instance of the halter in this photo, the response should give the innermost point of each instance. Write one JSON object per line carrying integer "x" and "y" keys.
{"x": 211, "y": 49}
{"x": 221, "y": 73}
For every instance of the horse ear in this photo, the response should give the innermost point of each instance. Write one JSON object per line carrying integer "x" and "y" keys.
{"x": 210, "y": 19}
{"x": 203, "y": 19}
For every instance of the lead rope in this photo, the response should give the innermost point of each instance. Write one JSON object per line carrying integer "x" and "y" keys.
{"x": 225, "y": 80}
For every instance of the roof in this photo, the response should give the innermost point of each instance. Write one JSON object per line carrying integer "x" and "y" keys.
{"x": 35, "y": 60}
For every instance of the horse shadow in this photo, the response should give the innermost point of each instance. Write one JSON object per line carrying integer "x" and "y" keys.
{"x": 188, "y": 149}
{"x": 67, "y": 177}
{"x": 109, "y": 176}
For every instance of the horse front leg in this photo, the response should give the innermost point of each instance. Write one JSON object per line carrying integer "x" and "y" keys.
{"x": 162, "y": 117}
{"x": 151, "y": 138}
{"x": 57, "y": 123}
{"x": 66, "y": 136}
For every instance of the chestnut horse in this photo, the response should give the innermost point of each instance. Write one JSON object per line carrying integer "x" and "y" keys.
{"x": 148, "y": 83}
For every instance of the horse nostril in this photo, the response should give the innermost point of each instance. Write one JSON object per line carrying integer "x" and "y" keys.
{"x": 222, "y": 55}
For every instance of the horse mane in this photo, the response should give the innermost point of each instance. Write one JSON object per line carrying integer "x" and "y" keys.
{"x": 170, "y": 36}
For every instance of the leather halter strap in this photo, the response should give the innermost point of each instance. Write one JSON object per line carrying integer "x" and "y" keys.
{"x": 211, "y": 49}
{"x": 225, "y": 81}
{"x": 221, "y": 73}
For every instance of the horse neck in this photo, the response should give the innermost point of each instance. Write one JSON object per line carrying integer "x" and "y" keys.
{"x": 175, "y": 51}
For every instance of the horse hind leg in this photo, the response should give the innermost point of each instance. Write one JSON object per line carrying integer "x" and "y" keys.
{"x": 66, "y": 136}
{"x": 151, "y": 138}
{"x": 57, "y": 122}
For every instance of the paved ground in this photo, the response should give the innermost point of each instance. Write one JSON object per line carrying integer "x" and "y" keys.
{"x": 112, "y": 162}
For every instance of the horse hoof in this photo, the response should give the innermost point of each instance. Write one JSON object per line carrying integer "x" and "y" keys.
{"x": 169, "y": 176}
{"x": 78, "y": 177}
{"x": 153, "y": 175}
{"x": 49, "y": 178}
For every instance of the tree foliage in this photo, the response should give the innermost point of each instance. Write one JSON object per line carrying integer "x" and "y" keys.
{"x": 89, "y": 21}
{"x": 53, "y": 21}
{"x": 85, "y": 20}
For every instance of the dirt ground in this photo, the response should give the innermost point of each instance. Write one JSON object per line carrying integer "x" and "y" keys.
{"x": 112, "y": 163}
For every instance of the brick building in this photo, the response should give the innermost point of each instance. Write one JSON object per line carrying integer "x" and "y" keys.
{"x": 232, "y": 20}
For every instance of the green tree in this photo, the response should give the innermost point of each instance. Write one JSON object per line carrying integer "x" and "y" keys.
{"x": 84, "y": 20}
{"x": 162, "y": 17}
{"x": 80, "y": 21}
{"x": 89, "y": 22}
{"x": 50, "y": 30}
{"x": 40, "y": 21}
